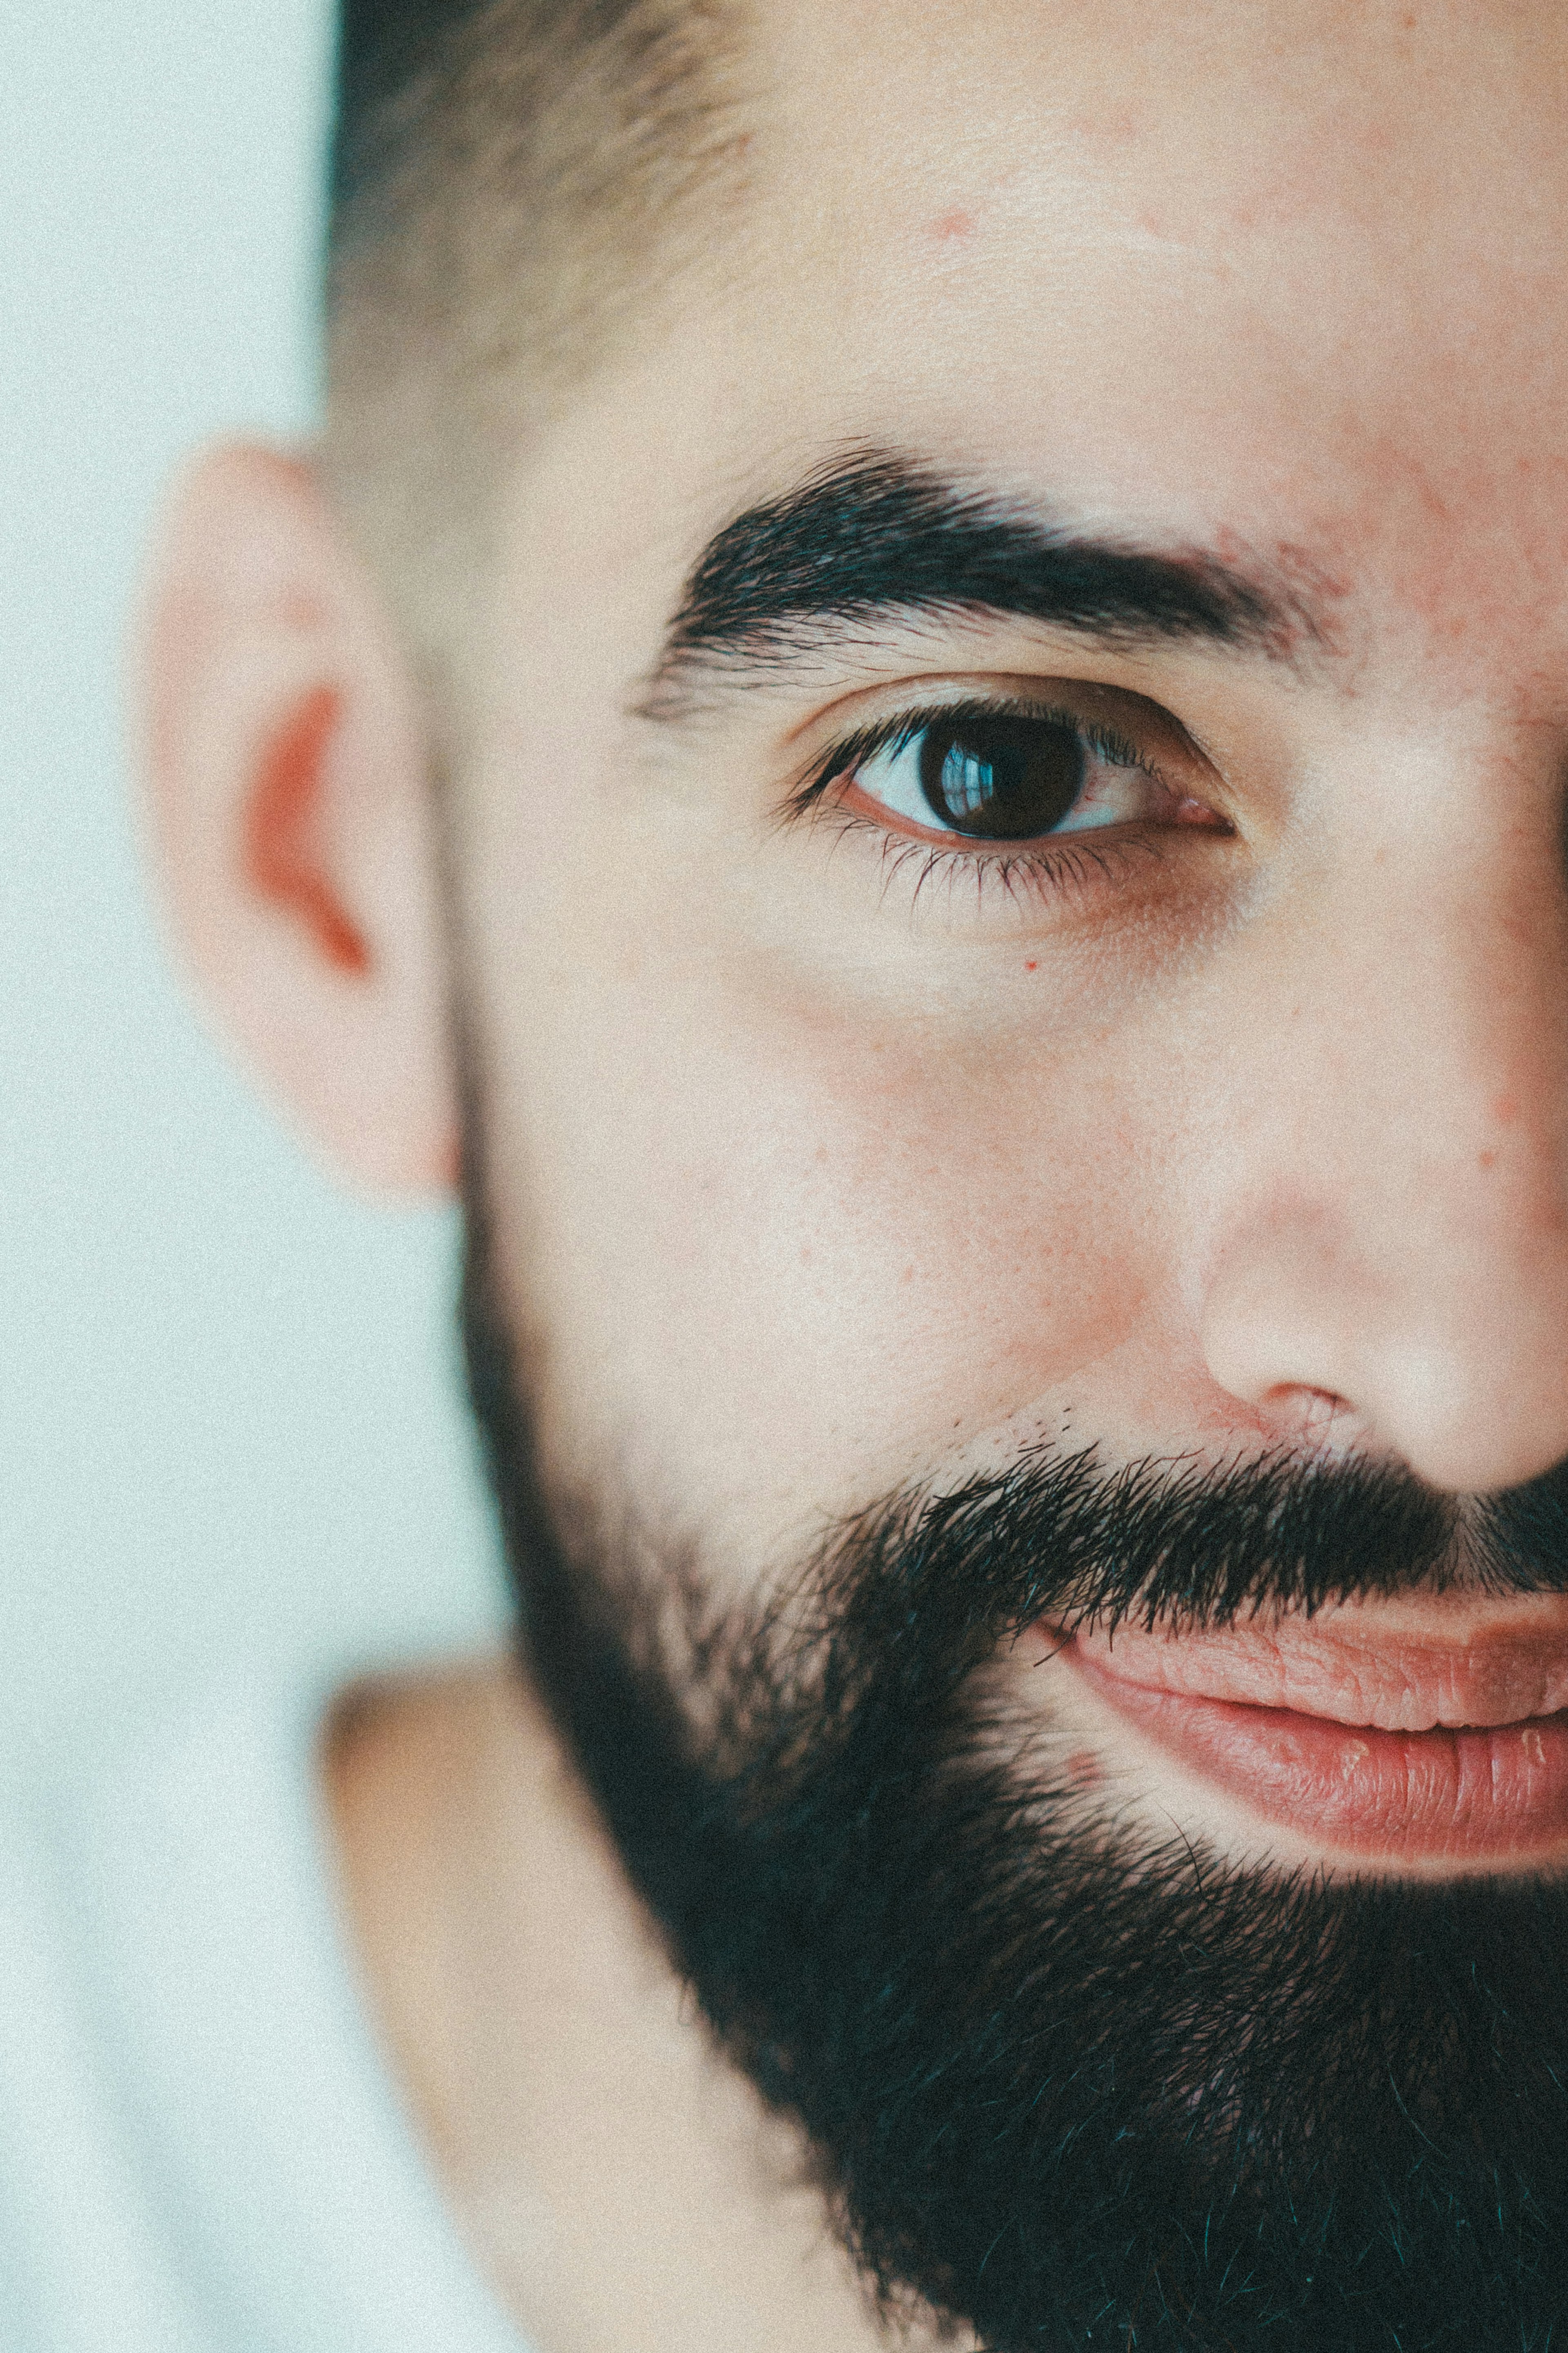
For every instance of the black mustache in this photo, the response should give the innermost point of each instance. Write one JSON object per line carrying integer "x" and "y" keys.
{"x": 1183, "y": 1545}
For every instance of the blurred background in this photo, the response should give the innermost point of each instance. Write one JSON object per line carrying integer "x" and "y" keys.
{"x": 229, "y": 1419}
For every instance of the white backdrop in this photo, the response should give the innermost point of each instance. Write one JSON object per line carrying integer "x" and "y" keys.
{"x": 228, "y": 1400}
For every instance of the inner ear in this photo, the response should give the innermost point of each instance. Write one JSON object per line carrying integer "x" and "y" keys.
{"x": 283, "y": 853}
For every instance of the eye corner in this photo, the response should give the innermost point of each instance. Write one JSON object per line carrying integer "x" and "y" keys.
{"x": 1139, "y": 791}
{"x": 1194, "y": 815}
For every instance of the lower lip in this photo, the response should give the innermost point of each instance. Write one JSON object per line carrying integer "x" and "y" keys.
{"x": 1493, "y": 1795}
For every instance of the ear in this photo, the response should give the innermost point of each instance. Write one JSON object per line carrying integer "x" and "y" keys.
{"x": 291, "y": 819}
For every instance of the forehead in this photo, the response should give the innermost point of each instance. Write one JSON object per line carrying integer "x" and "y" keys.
{"x": 1323, "y": 169}
{"x": 1281, "y": 272}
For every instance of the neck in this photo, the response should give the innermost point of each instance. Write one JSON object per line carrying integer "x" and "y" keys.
{"x": 622, "y": 2188}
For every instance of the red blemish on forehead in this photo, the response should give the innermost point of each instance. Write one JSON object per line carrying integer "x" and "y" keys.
{"x": 1031, "y": 965}
{"x": 952, "y": 225}
{"x": 278, "y": 863}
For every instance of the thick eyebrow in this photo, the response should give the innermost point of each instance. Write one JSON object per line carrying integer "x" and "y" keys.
{"x": 874, "y": 532}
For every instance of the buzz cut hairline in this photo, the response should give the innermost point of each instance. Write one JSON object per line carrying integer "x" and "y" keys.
{"x": 512, "y": 184}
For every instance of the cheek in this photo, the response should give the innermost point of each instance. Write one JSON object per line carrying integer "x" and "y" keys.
{"x": 783, "y": 1260}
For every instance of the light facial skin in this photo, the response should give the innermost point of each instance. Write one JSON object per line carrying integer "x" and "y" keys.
{"x": 831, "y": 1149}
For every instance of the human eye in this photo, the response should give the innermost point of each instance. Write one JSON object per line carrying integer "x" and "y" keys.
{"x": 1066, "y": 787}
{"x": 985, "y": 775}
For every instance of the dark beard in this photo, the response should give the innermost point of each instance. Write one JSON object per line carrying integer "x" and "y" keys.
{"x": 1063, "y": 2083}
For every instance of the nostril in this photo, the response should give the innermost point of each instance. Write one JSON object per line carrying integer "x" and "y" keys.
{"x": 1310, "y": 1417}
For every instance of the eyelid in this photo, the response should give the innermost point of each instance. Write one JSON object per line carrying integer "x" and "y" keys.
{"x": 900, "y": 729}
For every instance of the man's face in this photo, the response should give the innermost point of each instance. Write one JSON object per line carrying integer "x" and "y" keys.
{"x": 831, "y": 1147}
{"x": 1012, "y": 927}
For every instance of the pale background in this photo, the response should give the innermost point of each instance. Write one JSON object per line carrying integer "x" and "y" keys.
{"x": 230, "y": 1426}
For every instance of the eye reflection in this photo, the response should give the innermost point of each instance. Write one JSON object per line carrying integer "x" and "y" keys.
{"x": 1000, "y": 779}
{"x": 1008, "y": 775}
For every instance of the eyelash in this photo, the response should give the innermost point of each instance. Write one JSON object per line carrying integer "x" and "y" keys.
{"x": 1077, "y": 863}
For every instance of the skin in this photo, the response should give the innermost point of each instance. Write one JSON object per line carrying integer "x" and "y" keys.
{"x": 809, "y": 1184}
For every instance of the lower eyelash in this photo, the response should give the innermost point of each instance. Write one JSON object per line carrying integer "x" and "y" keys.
{"x": 1073, "y": 864}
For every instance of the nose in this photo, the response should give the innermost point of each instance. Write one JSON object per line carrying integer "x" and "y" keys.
{"x": 1389, "y": 1258}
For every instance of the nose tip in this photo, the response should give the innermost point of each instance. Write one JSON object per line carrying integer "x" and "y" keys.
{"x": 1464, "y": 1383}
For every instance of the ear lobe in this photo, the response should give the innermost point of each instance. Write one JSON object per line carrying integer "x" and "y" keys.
{"x": 292, "y": 829}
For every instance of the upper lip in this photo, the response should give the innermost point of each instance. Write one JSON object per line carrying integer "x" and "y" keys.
{"x": 1395, "y": 1670}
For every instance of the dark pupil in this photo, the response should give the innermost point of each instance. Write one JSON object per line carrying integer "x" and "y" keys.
{"x": 1000, "y": 779}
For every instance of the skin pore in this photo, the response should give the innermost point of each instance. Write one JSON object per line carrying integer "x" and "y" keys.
{"x": 819, "y": 1165}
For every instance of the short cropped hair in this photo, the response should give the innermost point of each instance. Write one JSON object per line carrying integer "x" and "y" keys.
{"x": 512, "y": 182}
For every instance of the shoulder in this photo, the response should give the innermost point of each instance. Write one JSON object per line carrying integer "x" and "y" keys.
{"x": 125, "y": 1922}
{"x": 199, "y": 2141}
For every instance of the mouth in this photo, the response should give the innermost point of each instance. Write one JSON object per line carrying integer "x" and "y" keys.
{"x": 1356, "y": 1733}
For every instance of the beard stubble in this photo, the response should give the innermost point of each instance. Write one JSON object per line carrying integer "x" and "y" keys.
{"x": 1064, "y": 2082}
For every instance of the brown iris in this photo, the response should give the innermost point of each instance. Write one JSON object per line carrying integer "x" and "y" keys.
{"x": 1003, "y": 778}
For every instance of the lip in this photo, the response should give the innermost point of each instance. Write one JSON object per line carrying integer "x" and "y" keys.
{"x": 1407, "y": 1749}
{"x": 1361, "y": 1665}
